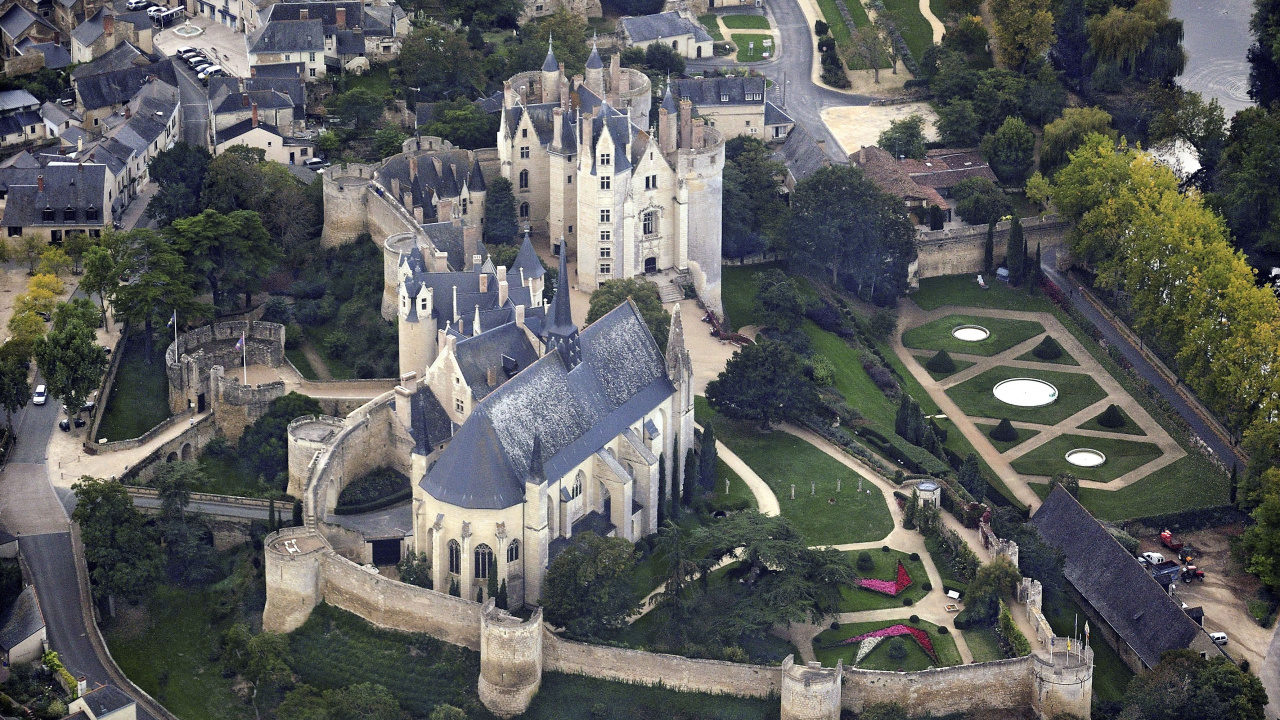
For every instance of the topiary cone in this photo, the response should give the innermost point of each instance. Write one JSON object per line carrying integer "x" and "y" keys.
{"x": 1004, "y": 432}
{"x": 1112, "y": 417}
{"x": 941, "y": 363}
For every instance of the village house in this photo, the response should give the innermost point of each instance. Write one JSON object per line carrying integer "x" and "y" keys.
{"x": 18, "y": 24}
{"x": 20, "y": 120}
{"x": 684, "y": 34}
{"x": 736, "y": 106}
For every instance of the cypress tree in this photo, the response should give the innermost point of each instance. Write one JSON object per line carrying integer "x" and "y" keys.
{"x": 271, "y": 516}
{"x": 902, "y": 422}
{"x": 916, "y": 425}
{"x": 493, "y": 580}
{"x": 455, "y": 589}
{"x": 1038, "y": 271}
{"x": 662, "y": 489}
{"x": 1015, "y": 253}
{"x": 989, "y": 250}
{"x": 297, "y": 513}
{"x": 690, "y": 477}
{"x": 707, "y": 459}
{"x": 1234, "y": 483}
{"x": 500, "y": 599}
{"x": 971, "y": 478}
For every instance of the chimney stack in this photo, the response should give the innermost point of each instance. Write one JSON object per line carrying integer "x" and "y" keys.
{"x": 342, "y": 18}
{"x": 666, "y": 132}
{"x": 40, "y": 183}
{"x": 304, "y": 14}
{"x": 244, "y": 100}
{"x": 413, "y": 163}
{"x": 253, "y": 72}
{"x": 484, "y": 282}
{"x": 557, "y": 127}
{"x": 254, "y": 112}
{"x": 108, "y": 24}
{"x": 686, "y": 124}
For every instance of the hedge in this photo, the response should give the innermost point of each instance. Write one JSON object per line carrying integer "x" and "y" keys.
{"x": 1009, "y": 632}
{"x": 387, "y": 501}
{"x": 1188, "y": 520}
{"x": 374, "y": 490}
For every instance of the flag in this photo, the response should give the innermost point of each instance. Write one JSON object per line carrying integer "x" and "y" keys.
{"x": 173, "y": 320}
{"x": 240, "y": 342}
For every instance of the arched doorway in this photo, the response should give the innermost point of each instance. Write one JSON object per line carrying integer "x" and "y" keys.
{"x": 651, "y": 264}
{"x": 186, "y": 452}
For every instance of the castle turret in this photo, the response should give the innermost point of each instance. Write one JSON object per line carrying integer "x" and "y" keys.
{"x": 510, "y": 660}
{"x": 810, "y": 691}
{"x": 595, "y": 72}
{"x": 550, "y": 76}
{"x": 417, "y": 327}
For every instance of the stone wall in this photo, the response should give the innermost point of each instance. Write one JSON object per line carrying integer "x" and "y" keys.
{"x": 24, "y": 64}
{"x": 185, "y": 446}
{"x": 344, "y": 189}
{"x": 235, "y": 406}
{"x": 1005, "y": 684}
{"x": 810, "y": 691}
{"x": 189, "y": 359}
{"x": 961, "y": 250}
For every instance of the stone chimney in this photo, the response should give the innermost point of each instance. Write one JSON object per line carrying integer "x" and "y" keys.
{"x": 304, "y": 14}
{"x": 395, "y": 188}
{"x": 440, "y": 261}
{"x": 491, "y": 376}
{"x": 666, "y": 132}
{"x": 557, "y": 127}
{"x": 108, "y": 24}
{"x": 413, "y": 163}
{"x": 520, "y": 316}
{"x": 686, "y": 124}
{"x": 404, "y": 399}
{"x": 484, "y": 282}
{"x": 699, "y": 130}
{"x": 254, "y": 113}
{"x": 615, "y": 81}
{"x": 503, "y": 288}
{"x": 40, "y": 183}
{"x": 244, "y": 100}
{"x": 342, "y": 17}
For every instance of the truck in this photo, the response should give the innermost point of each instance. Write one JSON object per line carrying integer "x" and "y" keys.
{"x": 1166, "y": 539}
{"x": 1191, "y": 573}
{"x": 1167, "y": 568}
{"x": 1152, "y": 558}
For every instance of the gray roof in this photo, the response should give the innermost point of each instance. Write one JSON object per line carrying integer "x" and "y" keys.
{"x": 287, "y": 36}
{"x": 17, "y": 100}
{"x": 56, "y": 56}
{"x": 504, "y": 349}
{"x": 17, "y": 20}
{"x": 106, "y": 699}
{"x": 6, "y": 538}
{"x": 593, "y": 61}
{"x": 327, "y": 14}
{"x": 234, "y": 131}
{"x": 568, "y": 415}
{"x": 662, "y": 25}
{"x": 13, "y": 123}
{"x": 710, "y": 91}
{"x": 801, "y": 154}
{"x": 549, "y": 64}
{"x": 349, "y": 42}
{"x": 118, "y": 87}
{"x": 21, "y": 620}
{"x": 121, "y": 57}
{"x": 774, "y": 116}
{"x": 1112, "y": 581}
{"x": 71, "y": 185}
{"x": 88, "y": 32}
{"x": 457, "y": 169}
{"x": 265, "y": 100}
{"x": 527, "y": 263}
{"x": 431, "y": 424}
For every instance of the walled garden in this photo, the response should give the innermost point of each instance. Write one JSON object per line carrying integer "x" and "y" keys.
{"x": 899, "y": 645}
{"x": 139, "y": 398}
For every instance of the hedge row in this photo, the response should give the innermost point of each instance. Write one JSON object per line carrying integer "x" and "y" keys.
{"x": 378, "y": 504}
{"x": 1194, "y": 519}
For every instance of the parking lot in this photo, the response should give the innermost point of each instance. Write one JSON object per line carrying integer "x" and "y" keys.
{"x": 1224, "y": 593}
{"x": 218, "y": 41}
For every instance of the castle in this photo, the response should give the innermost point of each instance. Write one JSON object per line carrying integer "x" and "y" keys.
{"x": 590, "y": 176}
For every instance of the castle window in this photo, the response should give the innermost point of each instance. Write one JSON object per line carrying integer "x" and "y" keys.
{"x": 606, "y": 215}
{"x": 568, "y": 180}
{"x": 606, "y": 252}
{"x": 650, "y": 182}
{"x": 606, "y": 182}
{"x": 524, "y": 132}
{"x": 570, "y": 229}
{"x": 48, "y": 214}
{"x": 524, "y": 209}
{"x": 484, "y": 561}
{"x": 606, "y": 159}
{"x": 606, "y": 236}
{"x": 455, "y": 557}
{"x": 748, "y": 123}
{"x": 577, "y": 485}
{"x": 459, "y": 405}
{"x": 606, "y": 269}
{"x": 649, "y": 223}
{"x": 524, "y": 152}
{"x": 464, "y": 206}
{"x": 513, "y": 551}
{"x": 422, "y": 304}
{"x": 524, "y": 179}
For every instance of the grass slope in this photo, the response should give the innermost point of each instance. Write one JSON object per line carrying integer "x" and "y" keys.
{"x": 1190, "y": 482}
{"x": 1122, "y": 456}
{"x": 984, "y": 645}
{"x": 1076, "y": 391}
{"x": 783, "y": 460}
{"x": 139, "y": 395}
{"x": 879, "y": 659}
{"x": 937, "y": 335}
{"x": 708, "y": 21}
{"x": 574, "y": 697}
{"x": 963, "y": 291}
{"x": 915, "y": 30}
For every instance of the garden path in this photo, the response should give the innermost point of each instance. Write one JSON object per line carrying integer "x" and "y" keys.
{"x": 938, "y": 29}
{"x": 912, "y": 316}
{"x": 766, "y": 501}
{"x": 318, "y": 364}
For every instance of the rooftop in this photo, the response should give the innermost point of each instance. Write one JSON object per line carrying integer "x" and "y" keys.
{"x": 662, "y": 25}
{"x": 21, "y": 620}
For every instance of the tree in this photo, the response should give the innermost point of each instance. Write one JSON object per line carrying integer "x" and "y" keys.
{"x": 754, "y": 211}
{"x": 587, "y": 589}
{"x": 54, "y": 261}
{"x": 958, "y": 125}
{"x": 1038, "y": 192}
{"x": 388, "y": 141}
{"x": 868, "y": 47}
{"x": 969, "y": 36}
{"x": 485, "y": 14}
{"x": 644, "y": 294}
{"x": 1186, "y": 116}
{"x": 266, "y": 666}
{"x": 29, "y": 248}
{"x": 1064, "y": 135}
{"x": 72, "y": 363}
{"x": 661, "y": 58}
{"x": 1004, "y": 431}
{"x": 904, "y": 138}
{"x": 1186, "y": 686}
{"x": 190, "y": 558}
{"x": 328, "y": 142}
{"x": 971, "y": 477}
{"x": 1015, "y": 257}
{"x": 15, "y": 391}
{"x": 179, "y": 175}
{"x": 707, "y": 459}
{"x": 25, "y": 328}
{"x": 229, "y": 252}
{"x": 415, "y": 569}
{"x": 1024, "y": 29}
{"x": 76, "y": 245}
{"x": 845, "y": 225}
{"x": 364, "y": 701}
{"x": 77, "y": 311}
{"x": 234, "y": 181}
{"x": 1011, "y": 151}
{"x": 122, "y": 552}
{"x": 683, "y": 567}
{"x": 569, "y": 39}
{"x": 779, "y": 299}
{"x": 762, "y": 383}
{"x": 979, "y": 201}
{"x": 464, "y": 124}
{"x": 100, "y": 276}
{"x": 359, "y": 106}
{"x": 447, "y": 712}
{"x": 1264, "y": 55}
{"x": 263, "y": 449}
{"x": 1246, "y": 191}
{"x": 690, "y": 479}
{"x": 500, "y": 212}
{"x": 440, "y": 63}
{"x": 161, "y": 284}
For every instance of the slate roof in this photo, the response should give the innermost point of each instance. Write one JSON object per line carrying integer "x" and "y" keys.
{"x": 118, "y": 87}
{"x": 505, "y": 348}
{"x": 106, "y": 699}
{"x": 241, "y": 101}
{"x": 234, "y": 131}
{"x": 121, "y": 57}
{"x": 326, "y": 13}
{"x": 567, "y": 415}
{"x": 527, "y": 263}
{"x": 549, "y": 64}
{"x": 71, "y": 184}
{"x": 56, "y": 56}
{"x": 22, "y": 620}
{"x": 942, "y": 168}
{"x": 775, "y": 116}
{"x": 801, "y": 154}
{"x": 287, "y": 36}
{"x": 709, "y": 91}
{"x": 88, "y": 32}
{"x": 1112, "y": 581}
{"x": 6, "y": 538}
{"x": 13, "y": 123}
{"x": 662, "y": 25}
{"x": 16, "y": 100}
{"x": 431, "y": 424}
{"x": 17, "y": 20}
{"x": 457, "y": 169}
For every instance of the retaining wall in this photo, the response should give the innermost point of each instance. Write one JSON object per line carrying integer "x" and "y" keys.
{"x": 1005, "y": 684}
{"x": 962, "y": 250}
{"x": 198, "y": 434}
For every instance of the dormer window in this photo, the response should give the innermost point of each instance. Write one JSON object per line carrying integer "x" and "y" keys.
{"x": 606, "y": 159}
{"x": 724, "y": 97}
{"x": 69, "y": 214}
{"x": 91, "y": 213}
{"x": 48, "y": 214}
{"x": 422, "y": 304}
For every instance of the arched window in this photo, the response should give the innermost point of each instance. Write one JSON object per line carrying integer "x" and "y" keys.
{"x": 577, "y": 485}
{"x": 455, "y": 557}
{"x": 524, "y": 209}
{"x": 513, "y": 551}
{"x": 524, "y": 179}
{"x": 484, "y": 561}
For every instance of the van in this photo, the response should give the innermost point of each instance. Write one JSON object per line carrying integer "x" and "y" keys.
{"x": 313, "y": 163}
{"x": 1219, "y": 638}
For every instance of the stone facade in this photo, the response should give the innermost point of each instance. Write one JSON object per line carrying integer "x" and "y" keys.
{"x": 542, "y": 8}
{"x": 510, "y": 660}
{"x": 810, "y": 691}
{"x": 961, "y": 250}
{"x": 197, "y": 366}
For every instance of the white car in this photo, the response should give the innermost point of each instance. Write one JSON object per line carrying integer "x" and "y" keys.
{"x": 41, "y": 396}
{"x": 314, "y": 163}
{"x": 182, "y": 50}
{"x": 1219, "y": 638}
{"x": 136, "y": 4}
{"x": 1154, "y": 558}
{"x": 156, "y": 11}
{"x": 211, "y": 70}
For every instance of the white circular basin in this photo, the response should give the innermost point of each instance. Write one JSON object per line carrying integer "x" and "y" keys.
{"x": 1025, "y": 392}
{"x": 971, "y": 333}
{"x": 1086, "y": 457}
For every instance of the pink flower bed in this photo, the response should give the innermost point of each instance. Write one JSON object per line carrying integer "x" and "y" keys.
{"x": 921, "y": 637}
{"x": 890, "y": 588}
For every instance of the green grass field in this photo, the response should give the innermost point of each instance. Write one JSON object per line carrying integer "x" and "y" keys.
{"x": 825, "y": 517}
{"x": 983, "y": 645}
{"x": 708, "y": 21}
{"x": 748, "y": 53}
{"x": 574, "y": 697}
{"x": 943, "y": 645}
{"x": 1190, "y": 482}
{"x": 738, "y": 490}
{"x": 1024, "y": 434}
{"x": 961, "y": 366}
{"x": 963, "y": 290}
{"x": 1122, "y": 456}
{"x": 937, "y": 335}
{"x": 139, "y": 395}
{"x": 1076, "y": 391}
{"x": 745, "y": 22}
{"x": 914, "y": 28}
{"x": 856, "y": 599}
{"x": 1129, "y": 428}
{"x": 300, "y": 361}
{"x": 1063, "y": 359}
{"x": 739, "y": 293}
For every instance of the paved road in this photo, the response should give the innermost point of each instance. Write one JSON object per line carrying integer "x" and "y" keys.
{"x": 195, "y": 106}
{"x": 805, "y": 100}
{"x": 1140, "y": 364}
{"x": 54, "y": 573}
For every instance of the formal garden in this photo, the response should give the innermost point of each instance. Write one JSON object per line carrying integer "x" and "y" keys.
{"x": 900, "y": 645}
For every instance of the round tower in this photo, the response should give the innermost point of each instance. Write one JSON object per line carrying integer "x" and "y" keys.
{"x": 510, "y": 660}
{"x": 293, "y": 577}
{"x": 393, "y": 249}
{"x": 810, "y": 691}
{"x": 307, "y": 437}
{"x": 345, "y": 215}
{"x": 1063, "y": 682}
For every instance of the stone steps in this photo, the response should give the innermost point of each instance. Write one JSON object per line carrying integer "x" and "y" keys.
{"x": 670, "y": 292}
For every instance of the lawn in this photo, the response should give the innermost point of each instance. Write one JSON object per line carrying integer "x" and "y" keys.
{"x": 1076, "y": 391}
{"x": 747, "y": 53}
{"x": 301, "y": 363}
{"x": 937, "y": 335}
{"x": 708, "y": 21}
{"x": 961, "y": 366}
{"x": 574, "y": 697}
{"x": 1128, "y": 428}
{"x": 963, "y": 290}
{"x": 738, "y": 490}
{"x": 1190, "y": 482}
{"x": 983, "y": 645}
{"x": 916, "y": 659}
{"x": 914, "y": 28}
{"x": 739, "y": 293}
{"x": 745, "y": 22}
{"x": 831, "y": 15}
{"x": 1024, "y": 434}
{"x": 225, "y": 476}
{"x": 170, "y": 657}
{"x": 822, "y": 514}
{"x": 139, "y": 395}
{"x": 1063, "y": 359}
{"x": 1110, "y": 675}
{"x": 1122, "y": 456}
{"x": 856, "y": 599}
{"x": 377, "y": 80}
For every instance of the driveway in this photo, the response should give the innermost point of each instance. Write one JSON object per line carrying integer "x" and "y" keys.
{"x": 195, "y": 106}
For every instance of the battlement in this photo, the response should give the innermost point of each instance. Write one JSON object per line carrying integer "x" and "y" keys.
{"x": 810, "y": 691}
{"x": 510, "y": 660}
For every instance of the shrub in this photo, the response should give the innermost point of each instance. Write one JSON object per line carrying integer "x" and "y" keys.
{"x": 835, "y": 626}
{"x": 882, "y": 324}
{"x": 942, "y": 629}
{"x": 1004, "y": 432}
{"x": 914, "y": 557}
{"x": 865, "y": 563}
{"x": 908, "y": 602}
{"x": 914, "y": 619}
{"x": 377, "y": 489}
{"x": 927, "y": 587}
{"x": 1244, "y": 666}
{"x": 941, "y": 363}
{"x": 1112, "y": 417}
{"x": 1048, "y": 349}
{"x": 884, "y": 548}
{"x": 820, "y": 28}
{"x": 897, "y": 649}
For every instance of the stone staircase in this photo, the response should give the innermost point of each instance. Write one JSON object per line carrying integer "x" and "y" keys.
{"x": 669, "y": 292}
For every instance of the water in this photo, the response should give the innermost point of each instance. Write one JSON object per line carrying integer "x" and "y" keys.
{"x": 1217, "y": 40}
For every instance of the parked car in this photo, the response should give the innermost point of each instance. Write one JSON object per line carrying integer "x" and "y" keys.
{"x": 156, "y": 11}
{"x": 41, "y": 396}
{"x": 1219, "y": 638}
{"x": 211, "y": 70}
{"x": 64, "y": 425}
{"x": 182, "y": 50}
{"x": 1154, "y": 558}
{"x": 314, "y": 163}
{"x": 137, "y": 4}
{"x": 201, "y": 66}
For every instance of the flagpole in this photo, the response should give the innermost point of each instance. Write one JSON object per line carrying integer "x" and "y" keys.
{"x": 244, "y": 348}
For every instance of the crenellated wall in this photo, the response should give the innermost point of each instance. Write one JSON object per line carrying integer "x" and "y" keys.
{"x": 189, "y": 359}
{"x": 235, "y": 406}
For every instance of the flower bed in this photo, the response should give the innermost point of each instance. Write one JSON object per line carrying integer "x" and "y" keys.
{"x": 920, "y": 636}
{"x": 892, "y": 589}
